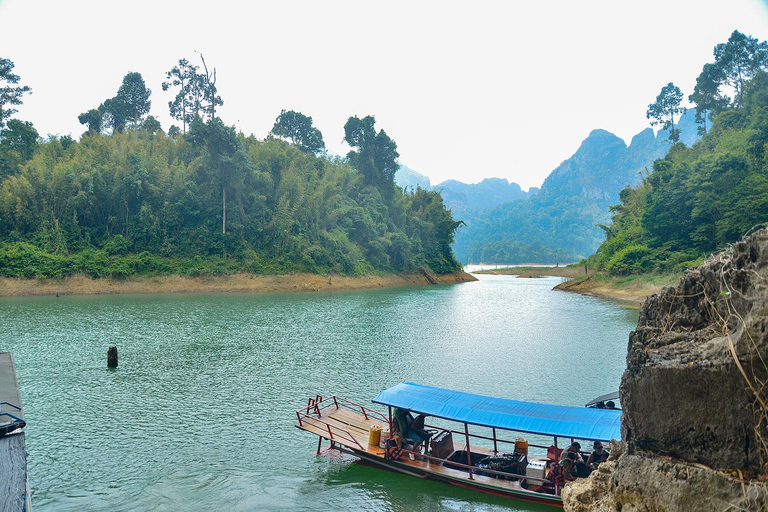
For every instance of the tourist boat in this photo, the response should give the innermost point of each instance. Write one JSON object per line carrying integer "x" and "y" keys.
{"x": 498, "y": 423}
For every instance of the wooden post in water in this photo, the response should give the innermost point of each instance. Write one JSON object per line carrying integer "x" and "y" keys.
{"x": 112, "y": 357}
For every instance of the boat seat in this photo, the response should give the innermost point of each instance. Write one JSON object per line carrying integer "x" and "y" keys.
{"x": 553, "y": 453}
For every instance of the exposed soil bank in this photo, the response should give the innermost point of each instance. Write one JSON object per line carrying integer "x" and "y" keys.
{"x": 632, "y": 292}
{"x": 82, "y": 285}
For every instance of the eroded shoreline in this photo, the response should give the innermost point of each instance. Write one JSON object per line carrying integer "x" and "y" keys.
{"x": 257, "y": 283}
{"x": 630, "y": 292}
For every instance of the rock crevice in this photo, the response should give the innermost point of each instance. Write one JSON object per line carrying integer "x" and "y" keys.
{"x": 693, "y": 394}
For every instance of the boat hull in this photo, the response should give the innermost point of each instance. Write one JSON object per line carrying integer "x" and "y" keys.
{"x": 460, "y": 481}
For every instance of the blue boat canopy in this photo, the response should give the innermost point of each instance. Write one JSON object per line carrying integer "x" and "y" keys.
{"x": 503, "y": 413}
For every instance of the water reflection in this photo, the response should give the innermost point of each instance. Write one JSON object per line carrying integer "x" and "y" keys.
{"x": 199, "y": 414}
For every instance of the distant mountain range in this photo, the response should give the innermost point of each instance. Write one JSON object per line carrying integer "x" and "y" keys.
{"x": 558, "y": 223}
{"x": 465, "y": 197}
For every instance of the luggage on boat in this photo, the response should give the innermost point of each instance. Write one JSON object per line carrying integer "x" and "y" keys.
{"x": 442, "y": 445}
{"x": 383, "y": 438}
{"x": 537, "y": 469}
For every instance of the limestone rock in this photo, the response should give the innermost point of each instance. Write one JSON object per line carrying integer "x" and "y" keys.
{"x": 683, "y": 394}
{"x": 647, "y": 483}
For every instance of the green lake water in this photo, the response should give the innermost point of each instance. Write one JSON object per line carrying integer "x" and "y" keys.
{"x": 200, "y": 413}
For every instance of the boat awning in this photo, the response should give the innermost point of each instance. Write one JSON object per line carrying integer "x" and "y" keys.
{"x": 603, "y": 398}
{"x": 503, "y": 413}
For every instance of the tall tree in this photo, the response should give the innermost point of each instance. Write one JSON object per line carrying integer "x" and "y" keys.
{"x": 187, "y": 101}
{"x": 665, "y": 108}
{"x": 18, "y": 142}
{"x": 94, "y": 119}
{"x": 706, "y": 96}
{"x": 225, "y": 161}
{"x": 207, "y": 84}
{"x": 736, "y": 61}
{"x": 114, "y": 114}
{"x": 298, "y": 129}
{"x": 376, "y": 155}
{"x": 133, "y": 93}
{"x": 10, "y": 92}
{"x": 739, "y": 60}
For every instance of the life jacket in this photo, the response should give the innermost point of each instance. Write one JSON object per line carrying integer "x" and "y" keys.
{"x": 391, "y": 451}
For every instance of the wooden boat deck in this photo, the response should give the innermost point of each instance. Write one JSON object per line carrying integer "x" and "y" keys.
{"x": 351, "y": 429}
{"x": 14, "y": 490}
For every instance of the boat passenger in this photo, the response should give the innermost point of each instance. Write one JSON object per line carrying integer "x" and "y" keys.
{"x": 418, "y": 427}
{"x": 595, "y": 458}
{"x": 405, "y": 431}
{"x": 557, "y": 476}
{"x": 610, "y": 405}
{"x": 575, "y": 449}
{"x": 573, "y": 453}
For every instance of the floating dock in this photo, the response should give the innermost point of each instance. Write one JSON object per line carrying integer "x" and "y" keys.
{"x": 14, "y": 486}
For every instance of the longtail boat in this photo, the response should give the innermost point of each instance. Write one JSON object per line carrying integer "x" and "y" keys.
{"x": 503, "y": 466}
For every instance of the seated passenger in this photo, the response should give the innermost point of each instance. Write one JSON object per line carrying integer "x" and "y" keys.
{"x": 595, "y": 458}
{"x": 409, "y": 430}
{"x": 575, "y": 449}
{"x": 610, "y": 405}
{"x": 558, "y": 475}
{"x": 573, "y": 453}
{"x": 417, "y": 427}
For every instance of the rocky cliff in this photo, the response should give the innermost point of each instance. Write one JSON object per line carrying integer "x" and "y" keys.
{"x": 695, "y": 422}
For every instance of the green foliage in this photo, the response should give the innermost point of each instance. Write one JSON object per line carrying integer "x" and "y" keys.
{"x": 298, "y": 129}
{"x": 736, "y": 62}
{"x": 665, "y": 108}
{"x": 18, "y": 142}
{"x": 133, "y": 93}
{"x": 10, "y": 92}
{"x": 376, "y": 155}
{"x": 697, "y": 199}
{"x": 633, "y": 259}
{"x": 118, "y": 205}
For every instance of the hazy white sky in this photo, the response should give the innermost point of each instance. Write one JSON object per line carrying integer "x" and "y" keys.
{"x": 468, "y": 90}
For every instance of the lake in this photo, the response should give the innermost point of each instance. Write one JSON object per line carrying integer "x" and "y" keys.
{"x": 200, "y": 413}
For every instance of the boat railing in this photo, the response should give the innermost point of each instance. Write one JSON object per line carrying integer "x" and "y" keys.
{"x": 473, "y": 470}
{"x": 495, "y": 440}
{"x": 318, "y": 404}
{"x": 334, "y": 432}
{"x": 312, "y": 414}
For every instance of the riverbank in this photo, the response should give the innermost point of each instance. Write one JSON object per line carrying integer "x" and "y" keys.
{"x": 632, "y": 291}
{"x": 83, "y": 285}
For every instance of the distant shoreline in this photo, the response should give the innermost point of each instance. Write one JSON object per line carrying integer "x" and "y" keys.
{"x": 631, "y": 291}
{"x": 256, "y": 283}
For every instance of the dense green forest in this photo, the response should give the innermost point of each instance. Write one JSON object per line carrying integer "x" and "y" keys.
{"x": 698, "y": 199}
{"x": 129, "y": 198}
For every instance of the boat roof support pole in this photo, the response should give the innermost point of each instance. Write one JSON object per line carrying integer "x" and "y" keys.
{"x": 469, "y": 454}
{"x": 495, "y": 447}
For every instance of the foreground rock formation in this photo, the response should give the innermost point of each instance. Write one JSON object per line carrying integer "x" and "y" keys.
{"x": 695, "y": 407}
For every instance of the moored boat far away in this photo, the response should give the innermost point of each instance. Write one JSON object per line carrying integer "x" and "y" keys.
{"x": 499, "y": 463}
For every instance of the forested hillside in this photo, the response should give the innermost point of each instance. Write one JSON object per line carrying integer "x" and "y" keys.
{"x": 128, "y": 198}
{"x": 559, "y": 224}
{"x": 699, "y": 199}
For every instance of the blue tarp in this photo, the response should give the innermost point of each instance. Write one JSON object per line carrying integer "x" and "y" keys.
{"x": 503, "y": 413}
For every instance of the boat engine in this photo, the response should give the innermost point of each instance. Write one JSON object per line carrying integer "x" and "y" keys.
{"x": 512, "y": 463}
